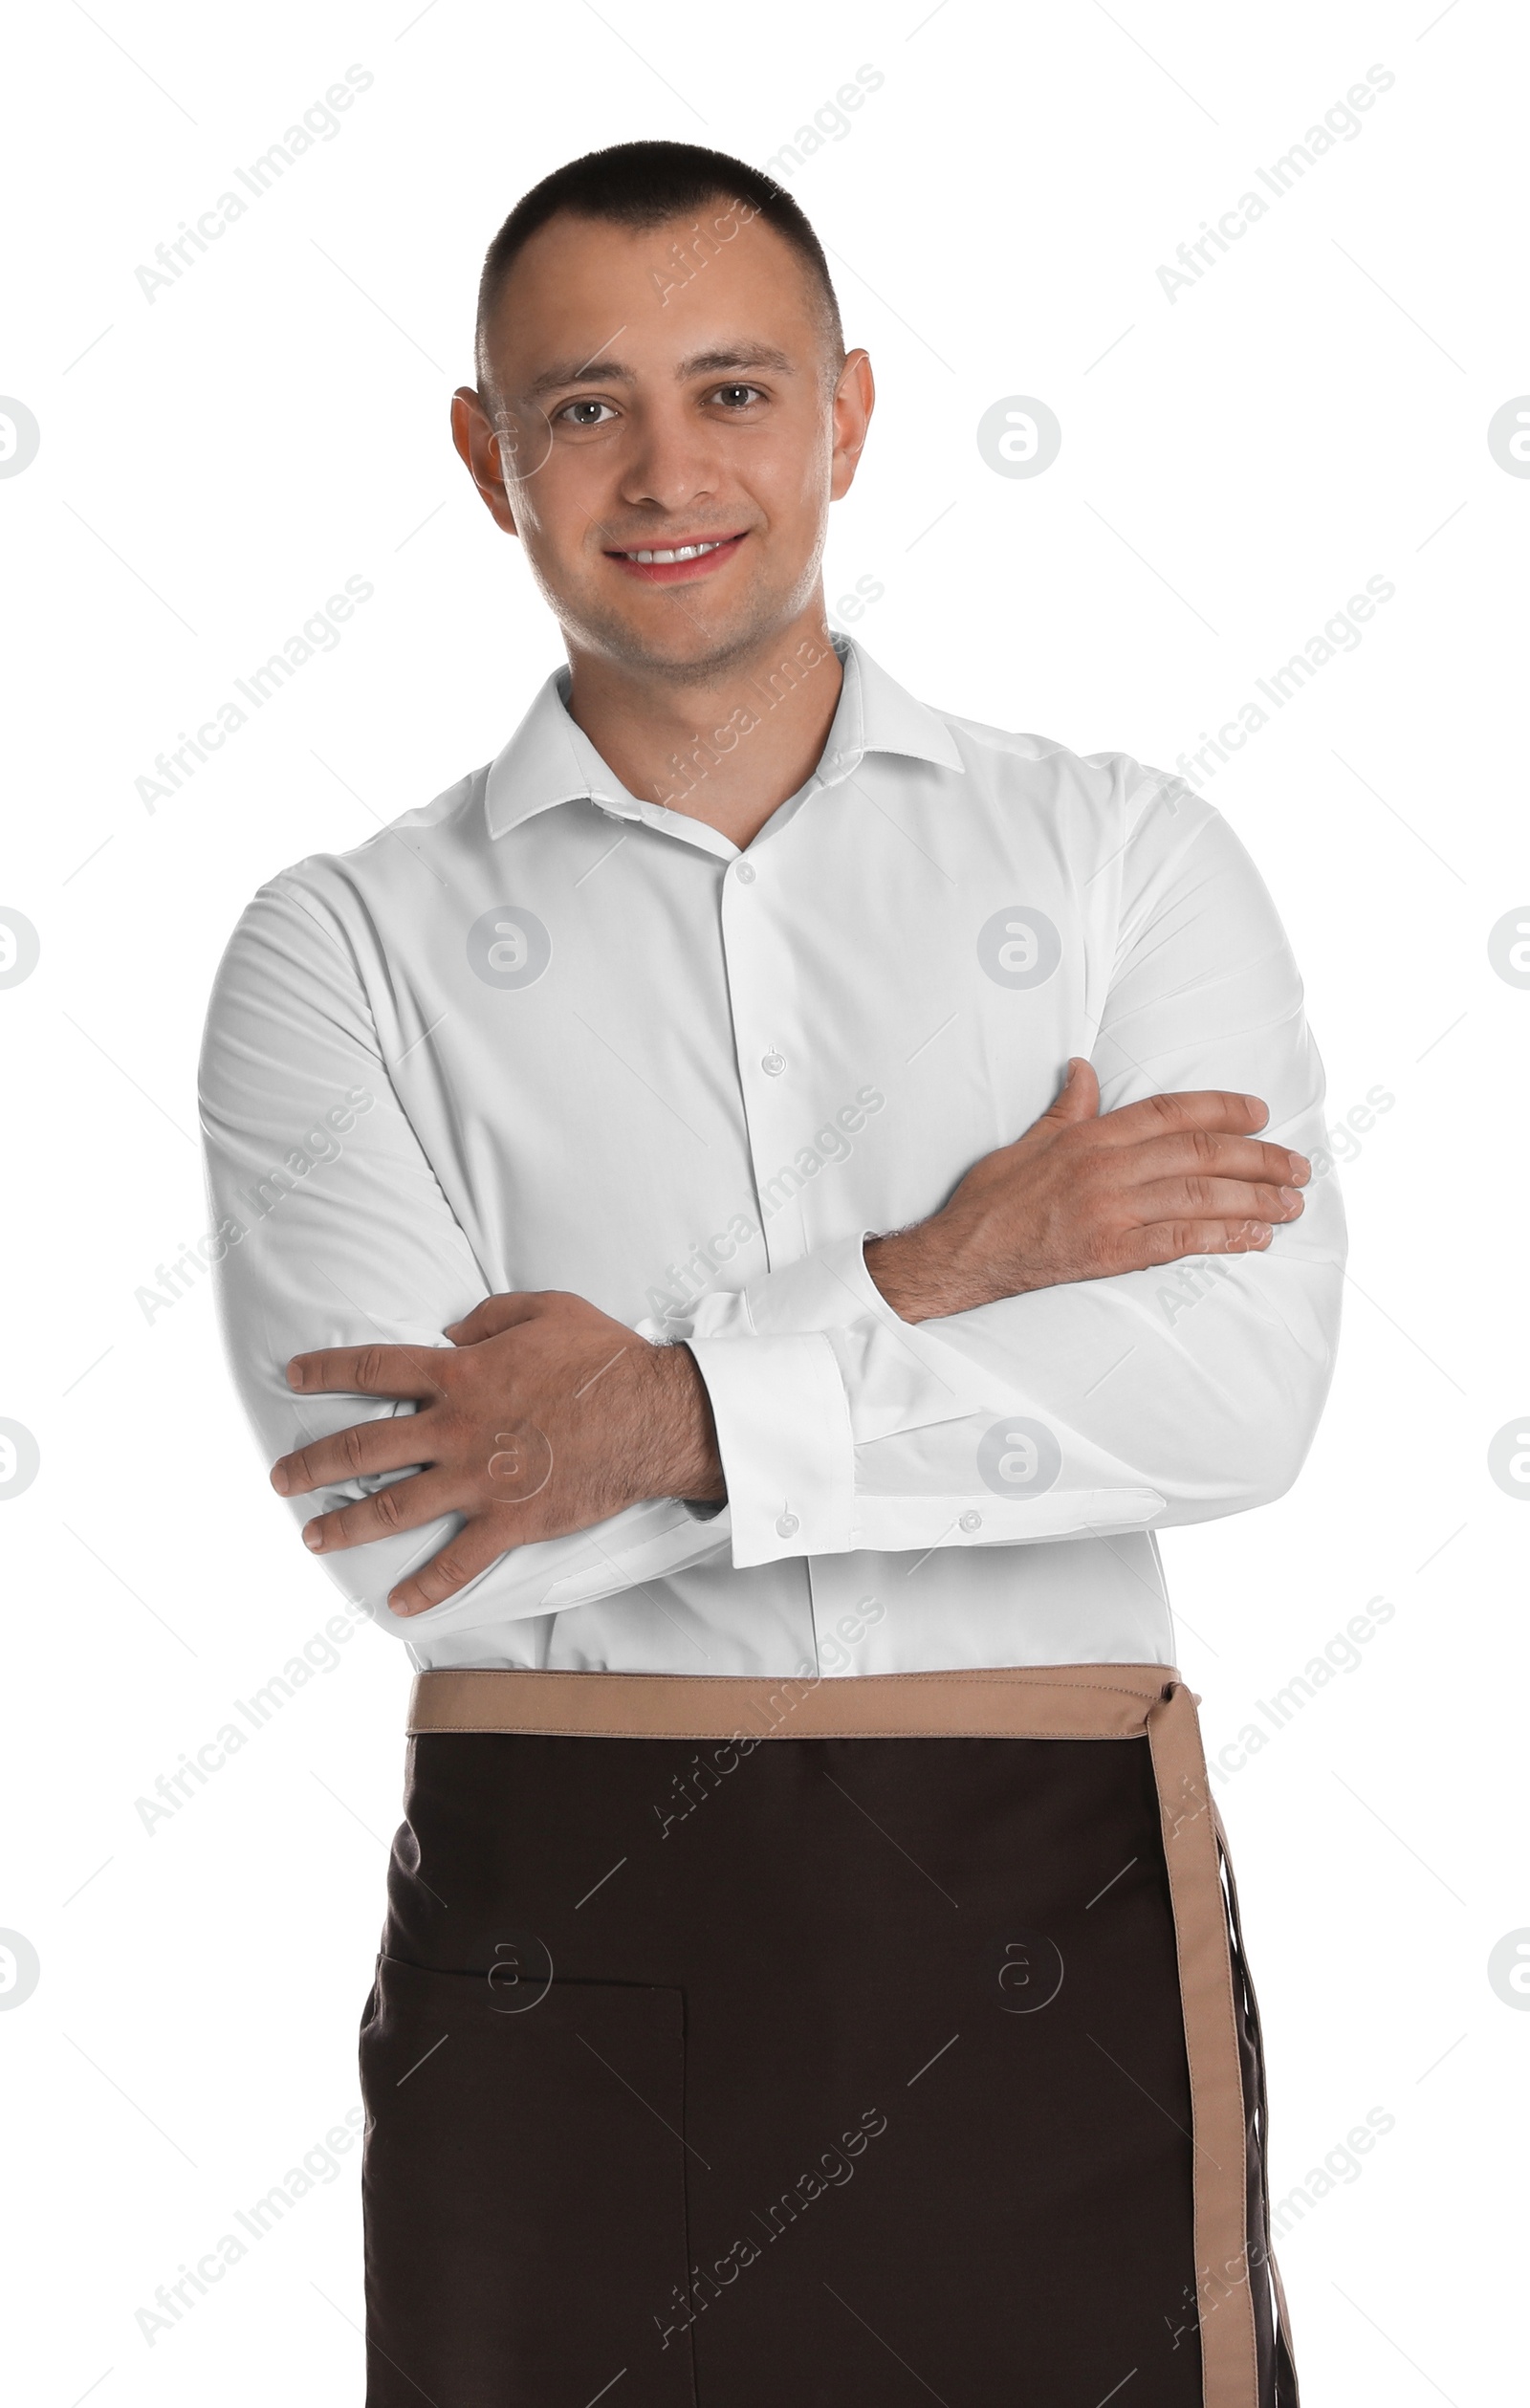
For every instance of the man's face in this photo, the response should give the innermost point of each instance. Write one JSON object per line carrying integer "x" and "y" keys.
{"x": 637, "y": 409}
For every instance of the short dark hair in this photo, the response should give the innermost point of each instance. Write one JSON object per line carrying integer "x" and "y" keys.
{"x": 641, "y": 185}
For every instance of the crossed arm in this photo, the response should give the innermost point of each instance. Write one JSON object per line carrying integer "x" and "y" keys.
{"x": 840, "y": 1401}
{"x": 545, "y": 1416}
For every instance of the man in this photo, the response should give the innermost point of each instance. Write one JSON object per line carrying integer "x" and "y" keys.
{"x": 762, "y": 1191}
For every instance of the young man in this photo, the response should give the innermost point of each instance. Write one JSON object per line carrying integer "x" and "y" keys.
{"x": 761, "y": 1189}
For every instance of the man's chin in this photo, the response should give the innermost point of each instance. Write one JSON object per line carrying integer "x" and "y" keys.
{"x": 691, "y": 649}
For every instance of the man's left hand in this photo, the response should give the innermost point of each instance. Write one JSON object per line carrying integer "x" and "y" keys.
{"x": 542, "y": 1417}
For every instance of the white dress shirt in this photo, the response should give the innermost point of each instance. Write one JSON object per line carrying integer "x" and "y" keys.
{"x": 540, "y": 1034}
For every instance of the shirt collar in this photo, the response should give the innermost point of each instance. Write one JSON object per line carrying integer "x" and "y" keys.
{"x": 550, "y": 759}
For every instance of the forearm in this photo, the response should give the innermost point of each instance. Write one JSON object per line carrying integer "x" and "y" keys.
{"x": 1084, "y": 1197}
{"x": 349, "y": 1242}
{"x": 862, "y": 1383}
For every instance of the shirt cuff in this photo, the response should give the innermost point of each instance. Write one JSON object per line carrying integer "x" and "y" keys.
{"x": 896, "y": 1376}
{"x": 829, "y": 1288}
{"x": 784, "y": 1436}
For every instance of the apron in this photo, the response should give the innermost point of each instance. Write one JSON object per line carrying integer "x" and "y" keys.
{"x": 656, "y": 1944}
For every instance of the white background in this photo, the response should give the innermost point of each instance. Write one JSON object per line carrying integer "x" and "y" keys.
{"x": 1235, "y": 463}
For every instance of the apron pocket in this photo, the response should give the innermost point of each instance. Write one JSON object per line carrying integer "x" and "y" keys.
{"x": 523, "y": 2186}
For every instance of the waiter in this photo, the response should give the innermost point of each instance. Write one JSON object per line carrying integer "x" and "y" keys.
{"x": 739, "y": 1221}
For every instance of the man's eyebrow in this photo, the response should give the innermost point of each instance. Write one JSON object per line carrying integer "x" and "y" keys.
{"x": 578, "y": 372}
{"x": 737, "y": 355}
{"x": 601, "y": 370}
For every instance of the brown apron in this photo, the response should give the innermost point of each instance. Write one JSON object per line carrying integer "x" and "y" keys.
{"x": 1239, "y": 2309}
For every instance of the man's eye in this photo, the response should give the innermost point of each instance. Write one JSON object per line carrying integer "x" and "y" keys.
{"x": 570, "y": 407}
{"x": 737, "y": 396}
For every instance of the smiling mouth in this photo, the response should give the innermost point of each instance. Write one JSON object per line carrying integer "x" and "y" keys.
{"x": 680, "y": 552}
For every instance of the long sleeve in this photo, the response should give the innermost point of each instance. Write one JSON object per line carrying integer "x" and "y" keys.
{"x": 330, "y": 1228}
{"x": 1151, "y": 1398}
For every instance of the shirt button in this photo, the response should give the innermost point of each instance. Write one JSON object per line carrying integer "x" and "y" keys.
{"x": 773, "y": 1064}
{"x": 788, "y": 1525}
{"x": 745, "y": 871}
{"x": 972, "y": 1521}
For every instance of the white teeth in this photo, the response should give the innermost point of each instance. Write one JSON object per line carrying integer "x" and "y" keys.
{"x": 687, "y": 552}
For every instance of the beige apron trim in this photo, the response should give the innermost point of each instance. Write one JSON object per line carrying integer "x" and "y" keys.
{"x": 1030, "y": 1701}
{"x": 1027, "y": 1701}
{"x": 1224, "y": 2280}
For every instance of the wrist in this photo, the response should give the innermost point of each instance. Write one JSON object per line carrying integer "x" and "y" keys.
{"x": 930, "y": 1270}
{"x": 682, "y": 1458}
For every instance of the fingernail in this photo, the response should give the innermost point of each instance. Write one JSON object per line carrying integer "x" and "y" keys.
{"x": 1291, "y": 1198}
{"x": 279, "y": 1479}
{"x": 312, "y": 1536}
{"x": 295, "y": 1374}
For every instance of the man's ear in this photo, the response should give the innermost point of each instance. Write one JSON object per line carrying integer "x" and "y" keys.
{"x": 855, "y": 398}
{"x": 479, "y": 449}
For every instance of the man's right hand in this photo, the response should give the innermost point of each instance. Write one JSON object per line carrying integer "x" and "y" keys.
{"x": 1085, "y": 1196}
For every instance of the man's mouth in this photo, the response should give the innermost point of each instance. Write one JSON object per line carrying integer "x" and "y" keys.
{"x": 664, "y": 563}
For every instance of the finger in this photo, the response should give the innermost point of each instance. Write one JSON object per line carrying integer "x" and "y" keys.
{"x": 403, "y": 1505}
{"x": 1202, "y": 1198}
{"x": 1210, "y": 1153}
{"x": 1218, "y": 1108}
{"x": 388, "y": 1445}
{"x": 1157, "y": 1243}
{"x": 367, "y": 1371}
{"x": 487, "y": 1320}
{"x": 478, "y": 1545}
{"x": 1078, "y": 1099}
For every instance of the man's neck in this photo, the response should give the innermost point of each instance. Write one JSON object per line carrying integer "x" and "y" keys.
{"x": 730, "y": 747}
